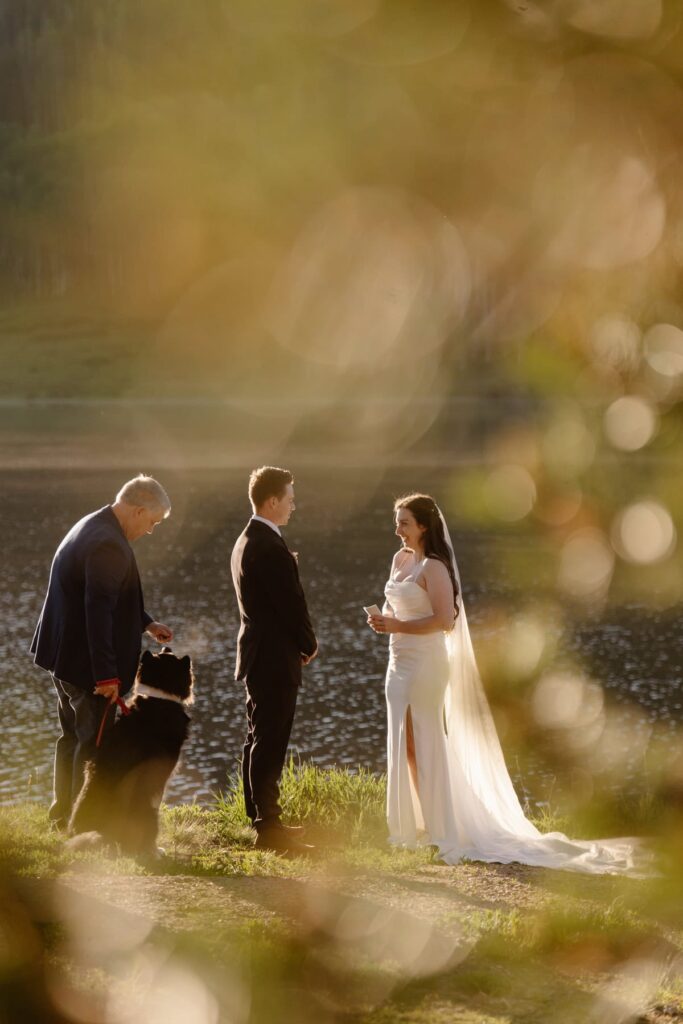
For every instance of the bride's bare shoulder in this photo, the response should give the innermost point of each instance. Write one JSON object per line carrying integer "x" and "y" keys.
{"x": 435, "y": 568}
{"x": 399, "y": 560}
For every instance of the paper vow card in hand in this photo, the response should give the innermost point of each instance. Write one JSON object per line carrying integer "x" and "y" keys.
{"x": 372, "y": 609}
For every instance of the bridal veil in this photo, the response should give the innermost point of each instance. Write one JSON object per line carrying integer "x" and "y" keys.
{"x": 492, "y": 825}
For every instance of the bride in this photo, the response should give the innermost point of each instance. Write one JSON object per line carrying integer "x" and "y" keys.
{"x": 446, "y": 772}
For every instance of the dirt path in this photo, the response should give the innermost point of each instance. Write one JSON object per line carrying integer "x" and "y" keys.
{"x": 432, "y": 893}
{"x": 413, "y": 924}
{"x": 407, "y": 927}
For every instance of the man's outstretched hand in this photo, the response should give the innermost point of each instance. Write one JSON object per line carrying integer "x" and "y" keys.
{"x": 162, "y": 634}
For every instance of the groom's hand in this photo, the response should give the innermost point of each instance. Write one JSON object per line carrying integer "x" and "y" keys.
{"x": 307, "y": 658}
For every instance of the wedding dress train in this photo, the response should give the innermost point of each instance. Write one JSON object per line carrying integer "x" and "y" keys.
{"x": 465, "y": 801}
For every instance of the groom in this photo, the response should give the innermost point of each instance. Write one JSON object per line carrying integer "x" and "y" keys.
{"x": 276, "y": 638}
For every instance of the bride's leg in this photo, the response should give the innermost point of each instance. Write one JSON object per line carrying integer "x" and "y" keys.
{"x": 410, "y": 748}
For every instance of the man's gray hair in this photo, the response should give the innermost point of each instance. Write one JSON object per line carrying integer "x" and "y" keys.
{"x": 146, "y": 491}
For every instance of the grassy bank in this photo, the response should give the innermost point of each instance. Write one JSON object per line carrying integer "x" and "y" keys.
{"x": 221, "y": 932}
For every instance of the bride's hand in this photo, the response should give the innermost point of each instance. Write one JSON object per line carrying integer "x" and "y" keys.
{"x": 383, "y": 623}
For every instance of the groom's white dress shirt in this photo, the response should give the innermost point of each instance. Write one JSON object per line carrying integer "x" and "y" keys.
{"x": 260, "y": 519}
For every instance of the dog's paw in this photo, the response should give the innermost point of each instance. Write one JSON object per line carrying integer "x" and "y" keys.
{"x": 85, "y": 841}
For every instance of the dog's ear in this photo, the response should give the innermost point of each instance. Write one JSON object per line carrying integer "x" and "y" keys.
{"x": 186, "y": 660}
{"x": 146, "y": 656}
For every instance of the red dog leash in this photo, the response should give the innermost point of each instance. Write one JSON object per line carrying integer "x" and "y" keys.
{"x": 125, "y": 710}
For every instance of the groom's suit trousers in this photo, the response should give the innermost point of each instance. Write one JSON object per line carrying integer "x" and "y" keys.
{"x": 270, "y": 714}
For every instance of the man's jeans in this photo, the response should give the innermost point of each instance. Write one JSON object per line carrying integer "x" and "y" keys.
{"x": 80, "y": 715}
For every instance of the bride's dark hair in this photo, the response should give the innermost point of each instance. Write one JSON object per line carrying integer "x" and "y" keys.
{"x": 434, "y": 543}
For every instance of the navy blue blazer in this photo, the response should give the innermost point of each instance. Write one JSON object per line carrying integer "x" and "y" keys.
{"x": 93, "y": 617}
{"x": 275, "y": 628}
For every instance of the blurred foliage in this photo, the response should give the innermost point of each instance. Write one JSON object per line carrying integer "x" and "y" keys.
{"x": 321, "y": 191}
{"x": 220, "y": 932}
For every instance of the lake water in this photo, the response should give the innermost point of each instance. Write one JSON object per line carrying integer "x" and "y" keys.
{"x": 344, "y": 534}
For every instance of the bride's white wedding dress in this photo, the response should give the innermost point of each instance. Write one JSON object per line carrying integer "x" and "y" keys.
{"x": 465, "y": 804}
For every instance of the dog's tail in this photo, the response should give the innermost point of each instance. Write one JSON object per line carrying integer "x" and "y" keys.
{"x": 89, "y": 841}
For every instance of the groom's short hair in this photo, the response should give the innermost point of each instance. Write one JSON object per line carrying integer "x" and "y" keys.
{"x": 268, "y": 482}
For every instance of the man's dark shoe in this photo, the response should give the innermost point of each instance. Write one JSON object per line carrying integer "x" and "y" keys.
{"x": 280, "y": 840}
{"x": 278, "y": 826}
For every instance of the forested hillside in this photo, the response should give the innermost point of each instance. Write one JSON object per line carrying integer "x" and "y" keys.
{"x": 133, "y": 146}
{"x": 335, "y": 177}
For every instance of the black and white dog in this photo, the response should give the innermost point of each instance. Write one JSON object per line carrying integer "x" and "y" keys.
{"x": 124, "y": 784}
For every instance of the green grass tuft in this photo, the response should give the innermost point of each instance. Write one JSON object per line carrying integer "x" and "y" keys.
{"x": 344, "y": 802}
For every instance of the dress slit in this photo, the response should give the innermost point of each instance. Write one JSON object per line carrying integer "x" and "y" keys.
{"x": 413, "y": 781}
{"x": 410, "y": 748}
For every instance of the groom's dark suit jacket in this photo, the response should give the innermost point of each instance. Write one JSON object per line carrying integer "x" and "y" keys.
{"x": 275, "y": 628}
{"x": 93, "y": 617}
